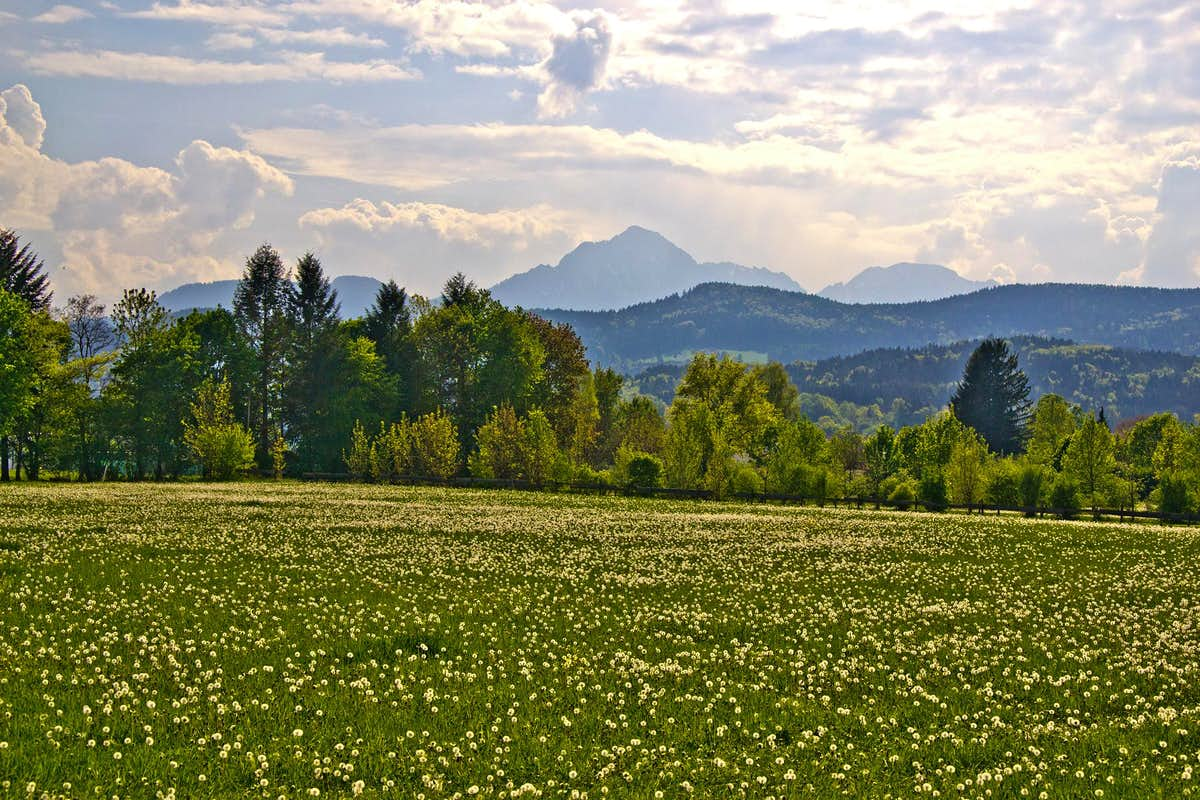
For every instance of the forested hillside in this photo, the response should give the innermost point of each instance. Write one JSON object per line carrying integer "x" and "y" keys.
{"x": 790, "y": 326}
{"x": 902, "y": 386}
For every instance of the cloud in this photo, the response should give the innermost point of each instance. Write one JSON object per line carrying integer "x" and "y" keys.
{"x": 22, "y": 115}
{"x": 235, "y": 13}
{"x": 517, "y": 227}
{"x": 178, "y": 70}
{"x": 62, "y": 14}
{"x": 575, "y": 66}
{"x": 421, "y": 243}
{"x": 1173, "y": 249}
{"x": 119, "y": 224}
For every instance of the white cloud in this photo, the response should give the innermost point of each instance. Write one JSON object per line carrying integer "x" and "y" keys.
{"x": 1173, "y": 249}
{"x": 119, "y": 224}
{"x": 233, "y": 13}
{"x": 179, "y": 70}
{"x": 516, "y": 228}
{"x": 62, "y": 14}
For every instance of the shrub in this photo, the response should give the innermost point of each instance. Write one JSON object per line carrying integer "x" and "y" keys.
{"x": 1003, "y": 485}
{"x": 224, "y": 450}
{"x": 859, "y": 487}
{"x": 644, "y": 471}
{"x": 903, "y": 495}
{"x": 932, "y": 491}
{"x": 744, "y": 479}
{"x": 362, "y": 452}
{"x": 1029, "y": 486}
{"x": 1064, "y": 497}
{"x": 1173, "y": 495}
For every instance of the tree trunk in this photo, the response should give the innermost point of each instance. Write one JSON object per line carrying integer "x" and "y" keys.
{"x": 4, "y": 459}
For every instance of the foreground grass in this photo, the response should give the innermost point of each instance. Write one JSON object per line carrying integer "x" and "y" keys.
{"x": 295, "y": 641}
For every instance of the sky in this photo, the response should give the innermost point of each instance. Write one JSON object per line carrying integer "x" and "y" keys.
{"x": 156, "y": 142}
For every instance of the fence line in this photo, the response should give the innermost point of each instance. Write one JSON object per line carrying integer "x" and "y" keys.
{"x": 856, "y": 502}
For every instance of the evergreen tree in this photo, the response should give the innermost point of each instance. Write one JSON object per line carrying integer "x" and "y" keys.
{"x": 312, "y": 356}
{"x": 260, "y": 306}
{"x": 22, "y": 273}
{"x": 388, "y": 323}
{"x": 993, "y": 397}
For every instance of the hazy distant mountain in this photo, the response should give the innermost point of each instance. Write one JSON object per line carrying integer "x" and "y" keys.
{"x": 355, "y": 292}
{"x": 902, "y": 283}
{"x": 787, "y": 326}
{"x": 636, "y": 266}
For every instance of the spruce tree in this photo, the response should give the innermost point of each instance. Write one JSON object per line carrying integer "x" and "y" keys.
{"x": 388, "y": 323}
{"x": 312, "y": 360}
{"x": 22, "y": 273}
{"x": 993, "y": 397}
{"x": 260, "y": 306}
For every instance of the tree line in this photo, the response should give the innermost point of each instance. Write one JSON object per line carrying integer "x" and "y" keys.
{"x": 462, "y": 385}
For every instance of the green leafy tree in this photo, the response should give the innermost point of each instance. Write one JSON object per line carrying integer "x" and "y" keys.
{"x": 640, "y": 424}
{"x": 1054, "y": 420}
{"x": 688, "y": 445}
{"x": 42, "y": 421}
{"x": 222, "y": 446}
{"x": 736, "y": 399}
{"x": 260, "y": 306}
{"x": 436, "y": 445}
{"x": 1089, "y": 459}
{"x": 966, "y": 471}
{"x": 607, "y": 384}
{"x": 882, "y": 456}
{"x": 993, "y": 397}
{"x": 499, "y": 441}
{"x": 780, "y": 391}
{"x": 86, "y": 369}
{"x": 16, "y": 368}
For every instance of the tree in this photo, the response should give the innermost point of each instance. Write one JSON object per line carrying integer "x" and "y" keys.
{"x": 499, "y": 441}
{"x": 22, "y": 273}
{"x": 1053, "y": 424}
{"x": 581, "y": 419}
{"x": 260, "y": 307}
{"x": 688, "y": 445}
{"x": 44, "y": 419}
{"x": 607, "y": 384}
{"x": 780, "y": 390}
{"x": 388, "y": 323}
{"x": 993, "y": 397}
{"x": 638, "y": 425}
{"x": 16, "y": 368}
{"x": 736, "y": 400}
{"x": 92, "y": 338}
{"x": 153, "y": 379}
{"x": 313, "y": 353}
{"x": 882, "y": 456}
{"x": 222, "y": 446}
{"x": 1089, "y": 458}
{"x": 966, "y": 471}
{"x": 435, "y": 445}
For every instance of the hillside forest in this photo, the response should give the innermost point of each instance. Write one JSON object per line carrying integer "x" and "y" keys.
{"x": 280, "y": 384}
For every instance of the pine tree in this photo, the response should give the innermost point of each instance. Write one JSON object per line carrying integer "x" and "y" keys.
{"x": 22, "y": 273}
{"x": 260, "y": 305}
{"x": 993, "y": 397}
{"x": 388, "y": 323}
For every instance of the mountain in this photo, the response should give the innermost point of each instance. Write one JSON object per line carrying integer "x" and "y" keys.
{"x": 355, "y": 292}
{"x": 636, "y": 266}
{"x": 902, "y": 283}
{"x": 903, "y": 386}
{"x": 789, "y": 326}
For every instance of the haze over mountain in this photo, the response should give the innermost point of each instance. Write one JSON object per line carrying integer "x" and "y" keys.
{"x": 902, "y": 283}
{"x": 356, "y": 294}
{"x": 788, "y": 326}
{"x": 635, "y": 266}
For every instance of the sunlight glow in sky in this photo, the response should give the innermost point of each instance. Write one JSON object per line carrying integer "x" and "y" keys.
{"x": 153, "y": 142}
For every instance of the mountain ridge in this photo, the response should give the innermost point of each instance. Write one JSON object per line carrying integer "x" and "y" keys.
{"x": 903, "y": 282}
{"x": 356, "y": 293}
{"x": 637, "y": 265}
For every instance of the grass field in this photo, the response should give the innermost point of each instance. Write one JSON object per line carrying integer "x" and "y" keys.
{"x": 295, "y": 641}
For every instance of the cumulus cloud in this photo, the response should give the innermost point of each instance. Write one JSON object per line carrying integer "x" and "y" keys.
{"x": 1173, "y": 248}
{"x": 119, "y": 224}
{"x": 22, "y": 115}
{"x": 575, "y": 66}
{"x": 62, "y": 14}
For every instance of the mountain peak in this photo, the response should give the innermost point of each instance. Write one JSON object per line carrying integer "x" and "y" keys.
{"x": 635, "y": 266}
{"x": 905, "y": 282}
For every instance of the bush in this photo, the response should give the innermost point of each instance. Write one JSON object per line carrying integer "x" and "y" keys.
{"x": 903, "y": 495}
{"x": 585, "y": 474}
{"x": 744, "y": 479}
{"x": 1029, "y": 486}
{"x": 859, "y": 487}
{"x": 932, "y": 491}
{"x": 224, "y": 450}
{"x": 1064, "y": 497}
{"x": 1173, "y": 495}
{"x": 1004, "y": 484}
{"x": 645, "y": 471}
